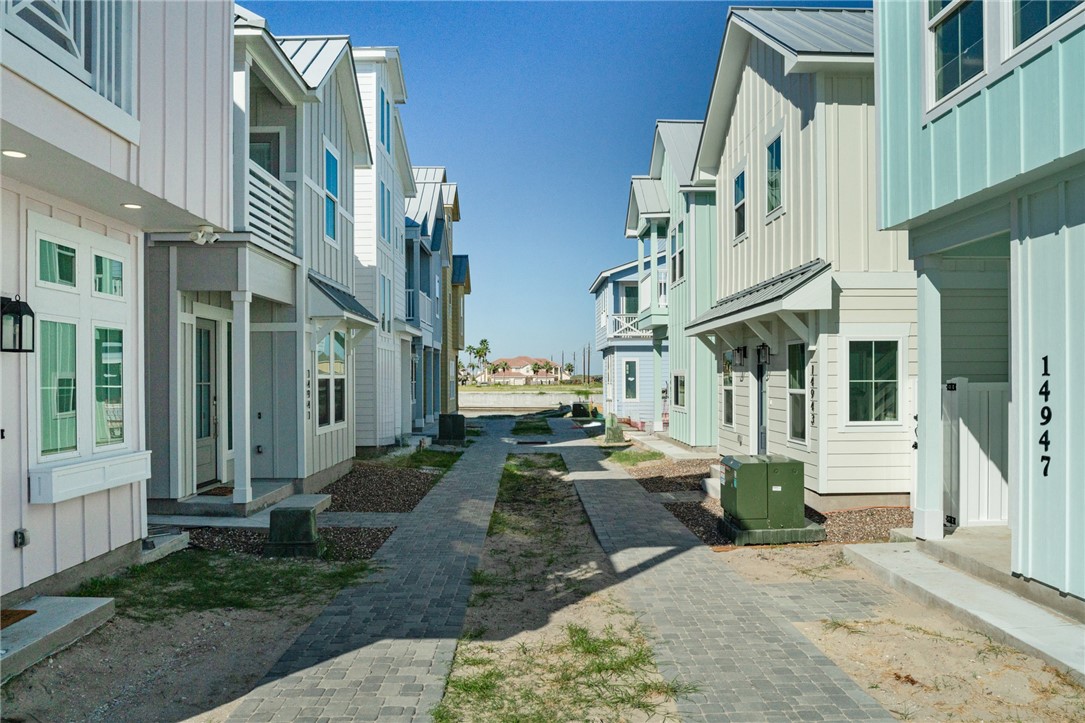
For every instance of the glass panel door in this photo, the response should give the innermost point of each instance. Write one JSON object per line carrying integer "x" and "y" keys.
{"x": 206, "y": 418}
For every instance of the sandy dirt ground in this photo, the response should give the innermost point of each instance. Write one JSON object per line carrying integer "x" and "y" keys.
{"x": 919, "y": 663}
{"x": 183, "y": 668}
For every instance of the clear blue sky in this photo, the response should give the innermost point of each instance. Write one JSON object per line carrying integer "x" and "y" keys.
{"x": 540, "y": 112}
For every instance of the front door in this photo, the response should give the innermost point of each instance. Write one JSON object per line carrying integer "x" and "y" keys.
{"x": 206, "y": 402}
{"x": 762, "y": 410}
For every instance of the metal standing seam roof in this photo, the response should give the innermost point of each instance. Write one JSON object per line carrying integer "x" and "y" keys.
{"x": 426, "y": 205}
{"x": 815, "y": 31}
{"x": 313, "y": 57}
{"x": 680, "y": 139}
{"x": 461, "y": 269}
{"x": 428, "y": 174}
{"x": 770, "y": 290}
{"x": 342, "y": 299}
{"x": 650, "y": 196}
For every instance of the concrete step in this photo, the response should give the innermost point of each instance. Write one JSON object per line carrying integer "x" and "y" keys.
{"x": 155, "y": 547}
{"x": 57, "y": 623}
{"x": 260, "y": 520}
{"x": 1006, "y": 617}
{"x": 711, "y": 486}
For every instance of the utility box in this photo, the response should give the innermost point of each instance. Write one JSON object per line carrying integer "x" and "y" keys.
{"x": 451, "y": 429}
{"x": 763, "y": 492}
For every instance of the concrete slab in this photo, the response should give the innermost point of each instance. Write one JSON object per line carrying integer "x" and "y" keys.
{"x": 986, "y": 607}
{"x": 259, "y": 521}
{"x": 57, "y": 623}
{"x": 672, "y": 450}
{"x": 163, "y": 545}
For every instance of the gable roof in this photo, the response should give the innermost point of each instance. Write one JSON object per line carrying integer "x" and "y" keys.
{"x": 809, "y": 39}
{"x": 452, "y": 199}
{"x": 647, "y": 199}
{"x": 314, "y": 56}
{"x": 679, "y": 139}
{"x": 426, "y": 206}
{"x": 605, "y": 274}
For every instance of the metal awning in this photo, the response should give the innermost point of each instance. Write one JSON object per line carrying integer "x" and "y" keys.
{"x": 805, "y": 288}
{"x": 327, "y": 301}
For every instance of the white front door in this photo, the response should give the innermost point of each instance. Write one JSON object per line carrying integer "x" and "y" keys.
{"x": 206, "y": 402}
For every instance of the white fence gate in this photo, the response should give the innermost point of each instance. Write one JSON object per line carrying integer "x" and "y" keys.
{"x": 976, "y": 439}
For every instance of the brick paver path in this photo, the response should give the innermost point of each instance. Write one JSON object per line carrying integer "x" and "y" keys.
{"x": 733, "y": 638}
{"x": 383, "y": 649}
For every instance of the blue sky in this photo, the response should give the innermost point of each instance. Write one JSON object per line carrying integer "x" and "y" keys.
{"x": 540, "y": 112}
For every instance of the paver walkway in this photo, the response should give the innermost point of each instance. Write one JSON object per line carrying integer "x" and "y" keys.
{"x": 733, "y": 638}
{"x": 383, "y": 649}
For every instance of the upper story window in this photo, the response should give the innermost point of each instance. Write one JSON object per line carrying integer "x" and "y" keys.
{"x": 678, "y": 253}
{"x": 331, "y": 193}
{"x": 773, "y": 195}
{"x": 1032, "y": 16}
{"x": 957, "y": 26}
{"x": 91, "y": 40}
{"x": 740, "y": 204}
{"x": 382, "y": 124}
{"x": 630, "y": 298}
{"x": 57, "y": 263}
{"x": 388, "y": 125}
{"x": 383, "y": 213}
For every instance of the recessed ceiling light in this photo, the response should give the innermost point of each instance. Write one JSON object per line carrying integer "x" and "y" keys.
{"x": 132, "y": 206}
{"x": 13, "y": 154}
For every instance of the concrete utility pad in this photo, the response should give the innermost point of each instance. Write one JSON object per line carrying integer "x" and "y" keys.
{"x": 57, "y": 623}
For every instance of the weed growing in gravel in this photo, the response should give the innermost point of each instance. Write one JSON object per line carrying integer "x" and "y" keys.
{"x": 819, "y": 572}
{"x": 633, "y": 457}
{"x": 531, "y": 427}
{"x": 521, "y": 481}
{"x": 833, "y": 624}
{"x": 423, "y": 458}
{"x": 195, "y": 580}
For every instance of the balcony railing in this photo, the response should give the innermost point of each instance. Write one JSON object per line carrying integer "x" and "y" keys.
{"x": 92, "y": 41}
{"x": 425, "y": 309}
{"x": 271, "y": 208}
{"x": 624, "y": 326}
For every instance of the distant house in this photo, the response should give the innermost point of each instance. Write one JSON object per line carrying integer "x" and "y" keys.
{"x": 631, "y": 379}
{"x": 815, "y": 323}
{"x": 982, "y": 165}
{"x": 522, "y": 370}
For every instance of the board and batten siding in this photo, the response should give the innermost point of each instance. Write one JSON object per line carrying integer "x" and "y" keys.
{"x": 1025, "y": 119}
{"x": 185, "y": 61}
{"x": 71, "y": 532}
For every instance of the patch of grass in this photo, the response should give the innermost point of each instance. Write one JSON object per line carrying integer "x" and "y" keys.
{"x": 473, "y": 432}
{"x": 196, "y": 580}
{"x": 526, "y": 478}
{"x": 820, "y": 572}
{"x": 633, "y": 456}
{"x": 424, "y": 458}
{"x": 499, "y": 524}
{"x": 531, "y": 427}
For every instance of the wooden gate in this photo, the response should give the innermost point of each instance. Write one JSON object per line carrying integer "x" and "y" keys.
{"x": 976, "y": 439}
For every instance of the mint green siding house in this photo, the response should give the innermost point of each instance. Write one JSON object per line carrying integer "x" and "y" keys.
{"x": 683, "y": 219}
{"x": 814, "y": 327}
{"x": 982, "y": 160}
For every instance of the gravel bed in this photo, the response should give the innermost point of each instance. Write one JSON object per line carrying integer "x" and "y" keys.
{"x": 345, "y": 543}
{"x": 871, "y": 524}
{"x": 702, "y": 519}
{"x": 670, "y": 475}
{"x": 380, "y": 488}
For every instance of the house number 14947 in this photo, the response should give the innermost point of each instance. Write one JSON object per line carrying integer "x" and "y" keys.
{"x": 1045, "y": 416}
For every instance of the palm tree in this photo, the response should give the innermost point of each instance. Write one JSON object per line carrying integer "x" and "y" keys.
{"x": 482, "y": 351}
{"x": 569, "y": 369}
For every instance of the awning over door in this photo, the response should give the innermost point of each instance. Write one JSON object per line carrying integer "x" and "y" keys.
{"x": 805, "y": 288}
{"x": 327, "y": 301}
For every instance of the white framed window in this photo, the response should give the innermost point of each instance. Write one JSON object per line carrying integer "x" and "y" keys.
{"x": 678, "y": 253}
{"x": 388, "y": 125}
{"x": 108, "y": 386}
{"x": 796, "y": 392}
{"x": 57, "y": 354}
{"x": 331, "y": 379}
{"x": 57, "y": 264}
{"x": 437, "y": 295}
{"x": 630, "y": 380}
{"x": 874, "y": 390}
{"x": 956, "y": 33}
{"x": 331, "y": 193}
{"x": 108, "y": 276}
{"x": 678, "y": 384}
{"x": 1031, "y": 17}
{"x": 727, "y": 386}
{"x": 739, "y": 214}
{"x": 774, "y": 175}
{"x": 383, "y": 123}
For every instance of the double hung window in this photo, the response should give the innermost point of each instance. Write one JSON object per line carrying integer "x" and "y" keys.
{"x": 773, "y": 195}
{"x": 331, "y": 193}
{"x": 678, "y": 383}
{"x": 1032, "y": 16}
{"x": 678, "y": 254}
{"x": 796, "y": 392}
{"x": 873, "y": 381}
{"x": 727, "y": 385}
{"x": 331, "y": 380}
{"x": 957, "y": 27}
{"x": 740, "y": 205}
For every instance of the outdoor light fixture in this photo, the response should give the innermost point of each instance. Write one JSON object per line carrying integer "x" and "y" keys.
{"x": 740, "y": 356}
{"x": 763, "y": 354}
{"x": 203, "y": 235}
{"x": 13, "y": 154}
{"x": 131, "y": 206}
{"x": 16, "y": 325}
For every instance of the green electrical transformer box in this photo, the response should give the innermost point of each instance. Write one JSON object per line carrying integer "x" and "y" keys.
{"x": 763, "y": 492}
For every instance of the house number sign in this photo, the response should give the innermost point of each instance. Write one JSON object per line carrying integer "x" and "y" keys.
{"x": 1045, "y": 416}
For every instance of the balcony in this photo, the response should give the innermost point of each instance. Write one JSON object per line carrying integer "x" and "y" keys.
{"x": 624, "y": 326}
{"x": 270, "y": 213}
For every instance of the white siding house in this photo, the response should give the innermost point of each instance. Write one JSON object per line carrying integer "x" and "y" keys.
{"x": 816, "y": 323}
{"x": 106, "y": 136}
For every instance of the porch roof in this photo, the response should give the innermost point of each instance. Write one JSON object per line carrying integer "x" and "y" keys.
{"x": 331, "y": 302}
{"x": 803, "y": 288}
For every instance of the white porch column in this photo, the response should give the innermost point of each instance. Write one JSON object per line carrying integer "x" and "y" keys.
{"x": 240, "y": 140}
{"x": 242, "y": 397}
{"x": 416, "y": 271}
{"x": 658, "y": 382}
{"x": 929, "y": 516}
{"x": 653, "y": 255}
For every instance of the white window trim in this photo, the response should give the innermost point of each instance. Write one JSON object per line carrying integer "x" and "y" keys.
{"x": 674, "y": 383}
{"x": 844, "y": 422}
{"x": 123, "y": 443}
{"x": 338, "y": 198}
{"x": 124, "y": 273}
{"x": 332, "y": 425}
{"x": 777, "y": 134}
{"x": 739, "y": 238}
{"x": 99, "y": 311}
{"x": 792, "y": 441}
{"x": 621, "y": 366}
{"x": 1000, "y": 58}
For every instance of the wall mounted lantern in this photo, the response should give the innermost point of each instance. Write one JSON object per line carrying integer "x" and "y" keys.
{"x": 16, "y": 325}
{"x": 763, "y": 354}
{"x": 740, "y": 356}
